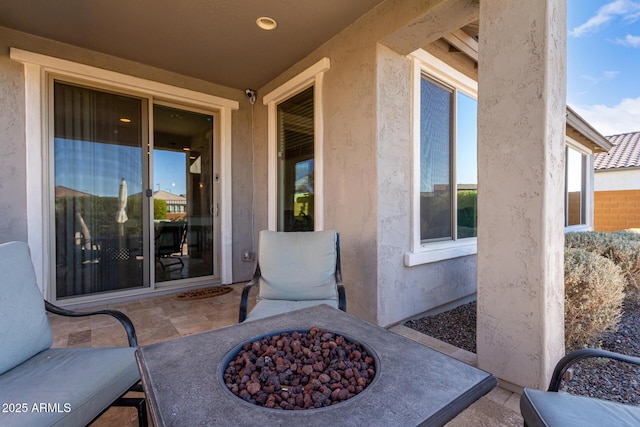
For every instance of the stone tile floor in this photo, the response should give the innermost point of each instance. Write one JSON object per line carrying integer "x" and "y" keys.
{"x": 162, "y": 318}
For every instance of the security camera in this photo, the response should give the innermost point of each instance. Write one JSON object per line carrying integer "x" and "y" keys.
{"x": 251, "y": 94}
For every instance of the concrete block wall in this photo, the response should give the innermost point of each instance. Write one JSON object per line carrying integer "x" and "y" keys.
{"x": 616, "y": 210}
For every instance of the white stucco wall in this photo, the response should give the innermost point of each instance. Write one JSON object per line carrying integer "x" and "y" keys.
{"x": 614, "y": 180}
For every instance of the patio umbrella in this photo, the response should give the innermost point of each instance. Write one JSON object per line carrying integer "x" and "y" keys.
{"x": 122, "y": 217}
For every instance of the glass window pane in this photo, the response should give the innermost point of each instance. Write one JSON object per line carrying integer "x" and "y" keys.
{"x": 435, "y": 160}
{"x": 467, "y": 165}
{"x": 98, "y": 190}
{"x": 575, "y": 186}
{"x": 183, "y": 196}
{"x": 295, "y": 163}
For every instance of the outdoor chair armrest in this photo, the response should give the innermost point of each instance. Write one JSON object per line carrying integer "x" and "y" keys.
{"x": 244, "y": 299}
{"x": 122, "y": 318}
{"x": 586, "y": 353}
{"x": 342, "y": 297}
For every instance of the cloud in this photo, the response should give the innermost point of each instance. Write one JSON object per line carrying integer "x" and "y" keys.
{"x": 627, "y": 9}
{"x": 630, "y": 41}
{"x": 621, "y": 118}
{"x": 607, "y": 75}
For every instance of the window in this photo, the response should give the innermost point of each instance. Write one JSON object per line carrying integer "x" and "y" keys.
{"x": 295, "y": 163}
{"x": 448, "y": 195}
{"x": 295, "y": 177}
{"x": 445, "y": 174}
{"x": 575, "y": 183}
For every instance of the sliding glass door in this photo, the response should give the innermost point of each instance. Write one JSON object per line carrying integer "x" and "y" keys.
{"x": 183, "y": 194}
{"x": 132, "y": 208}
{"x": 100, "y": 213}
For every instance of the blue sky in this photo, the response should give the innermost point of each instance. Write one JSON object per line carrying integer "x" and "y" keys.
{"x": 603, "y": 63}
{"x": 169, "y": 171}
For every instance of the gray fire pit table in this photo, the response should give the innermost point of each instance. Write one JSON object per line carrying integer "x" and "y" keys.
{"x": 414, "y": 385}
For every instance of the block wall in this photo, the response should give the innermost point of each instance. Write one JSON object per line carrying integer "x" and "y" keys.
{"x": 616, "y": 210}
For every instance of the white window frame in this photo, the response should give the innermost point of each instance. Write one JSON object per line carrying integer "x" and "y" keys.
{"x": 427, "y": 252}
{"x": 37, "y": 68}
{"x": 588, "y": 198}
{"x": 312, "y": 76}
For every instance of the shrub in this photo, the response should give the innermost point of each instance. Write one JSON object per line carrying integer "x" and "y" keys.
{"x": 593, "y": 294}
{"x": 623, "y": 248}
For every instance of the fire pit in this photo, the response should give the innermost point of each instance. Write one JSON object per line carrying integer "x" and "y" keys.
{"x": 293, "y": 370}
{"x": 413, "y": 384}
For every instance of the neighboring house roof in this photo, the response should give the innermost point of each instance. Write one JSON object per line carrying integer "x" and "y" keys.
{"x": 578, "y": 129}
{"x": 624, "y": 154}
{"x": 174, "y": 199}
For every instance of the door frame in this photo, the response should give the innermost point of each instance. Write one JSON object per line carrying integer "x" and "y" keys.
{"x": 38, "y": 109}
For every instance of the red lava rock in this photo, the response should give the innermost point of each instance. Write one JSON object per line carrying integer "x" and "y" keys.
{"x": 253, "y": 388}
{"x": 296, "y": 371}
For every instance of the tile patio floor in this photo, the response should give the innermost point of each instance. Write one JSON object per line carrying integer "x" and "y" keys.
{"x": 162, "y": 318}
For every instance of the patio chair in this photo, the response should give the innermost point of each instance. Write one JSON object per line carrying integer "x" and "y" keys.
{"x": 552, "y": 408}
{"x": 295, "y": 270}
{"x": 44, "y": 386}
{"x": 168, "y": 242}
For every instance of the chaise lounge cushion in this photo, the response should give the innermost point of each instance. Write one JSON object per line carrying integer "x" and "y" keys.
{"x": 549, "y": 409}
{"x": 288, "y": 260}
{"x": 75, "y": 383}
{"x": 24, "y": 327}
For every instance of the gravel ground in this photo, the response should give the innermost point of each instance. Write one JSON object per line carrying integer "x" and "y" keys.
{"x": 609, "y": 380}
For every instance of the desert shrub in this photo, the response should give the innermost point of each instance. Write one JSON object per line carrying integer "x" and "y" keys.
{"x": 623, "y": 248}
{"x": 593, "y": 293}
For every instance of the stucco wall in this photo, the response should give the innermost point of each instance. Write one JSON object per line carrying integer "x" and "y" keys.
{"x": 614, "y": 180}
{"x": 13, "y": 224}
{"x": 13, "y": 201}
{"x": 367, "y": 160}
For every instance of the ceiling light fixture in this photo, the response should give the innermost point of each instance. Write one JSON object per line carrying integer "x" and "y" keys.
{"x": 266, "y": 23}
{"x": 125, "y": 120}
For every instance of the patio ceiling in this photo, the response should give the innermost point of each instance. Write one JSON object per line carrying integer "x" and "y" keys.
{"x": 214, "y": 40}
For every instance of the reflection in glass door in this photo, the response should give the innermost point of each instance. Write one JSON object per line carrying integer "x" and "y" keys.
{"x": 98, "y": 173}
{"x": 183, "y": 166}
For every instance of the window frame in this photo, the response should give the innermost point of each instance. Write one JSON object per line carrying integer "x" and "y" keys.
{"x": 424, "y": 63}
{"x": 586, "y": 202}
{"x": 312, "y": 76}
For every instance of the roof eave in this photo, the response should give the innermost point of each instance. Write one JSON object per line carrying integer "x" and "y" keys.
{"x": 583, "y": 132}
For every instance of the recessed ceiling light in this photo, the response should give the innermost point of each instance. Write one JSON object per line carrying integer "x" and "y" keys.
{"x": 266, "y": 23}
{"x": 125, "y": 120}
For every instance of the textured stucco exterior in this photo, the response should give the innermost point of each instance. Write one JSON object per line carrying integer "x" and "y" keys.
{"x": 13, "y": 180}
{"x": 521, "y": 107}
{"x": 367, "y": 167}
{"x": 367, "y": 157}
{"x": 13, "y": 158}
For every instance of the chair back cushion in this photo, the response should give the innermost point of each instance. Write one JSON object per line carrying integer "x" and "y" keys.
{"x": 297, "y": 265}
{"x": 24, "y": 327}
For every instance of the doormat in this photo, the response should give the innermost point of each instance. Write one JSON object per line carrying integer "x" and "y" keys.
{"x": 203, "y": 293}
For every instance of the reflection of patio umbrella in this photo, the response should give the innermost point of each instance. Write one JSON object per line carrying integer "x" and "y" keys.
{"x": 122, "y": 217}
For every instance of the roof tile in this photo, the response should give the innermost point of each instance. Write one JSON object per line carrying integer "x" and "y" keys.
{"x": 624, "y": 154}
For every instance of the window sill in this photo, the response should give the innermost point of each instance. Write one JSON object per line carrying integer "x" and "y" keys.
{"x": 434, "y": 252}
{"x": 579, "y": 227}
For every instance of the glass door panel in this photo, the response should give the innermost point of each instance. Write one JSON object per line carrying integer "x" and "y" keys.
{"x": 183, "y": 194}
{"x": 98, "y": 174}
